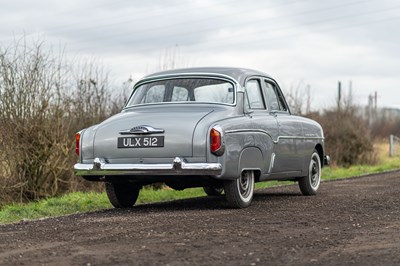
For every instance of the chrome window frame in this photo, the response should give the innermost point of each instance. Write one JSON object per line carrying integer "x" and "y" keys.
{"x": 226, "y": 78}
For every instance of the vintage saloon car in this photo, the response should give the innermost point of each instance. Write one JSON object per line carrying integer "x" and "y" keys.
{"x": 222, "y": 129}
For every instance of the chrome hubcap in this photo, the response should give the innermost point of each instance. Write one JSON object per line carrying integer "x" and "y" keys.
{"x": 245, "y": 183}
{"x": 314, "y": 172}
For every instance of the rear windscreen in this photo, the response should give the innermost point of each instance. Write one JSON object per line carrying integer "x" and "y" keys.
{"x": 183, "y": 90}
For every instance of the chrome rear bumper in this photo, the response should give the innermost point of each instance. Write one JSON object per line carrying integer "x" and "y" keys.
{"x": 178, "y": 167}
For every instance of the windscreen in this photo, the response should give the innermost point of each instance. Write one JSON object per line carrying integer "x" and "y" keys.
{"x": 183, "y": 90}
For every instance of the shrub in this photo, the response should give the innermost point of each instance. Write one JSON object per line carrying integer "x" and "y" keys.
{"x": 44, "y": 100}
{"x": 347, "y": 137}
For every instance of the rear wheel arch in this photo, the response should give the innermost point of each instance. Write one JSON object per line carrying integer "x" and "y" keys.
{"x": 320, "y": 151}
{"x": 251, "y": 158}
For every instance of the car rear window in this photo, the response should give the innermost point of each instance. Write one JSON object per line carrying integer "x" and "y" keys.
{"x": 184, "y": 90}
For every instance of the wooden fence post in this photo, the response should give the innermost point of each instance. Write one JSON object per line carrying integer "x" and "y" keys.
{"x": 391, "y": 145}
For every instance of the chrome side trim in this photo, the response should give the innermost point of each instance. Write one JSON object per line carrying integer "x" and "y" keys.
{"x": 249, "y": 130}
{"x": 178, "y": 167}
{"x": 299, "y": 137}
{"x": 266, "y": 133}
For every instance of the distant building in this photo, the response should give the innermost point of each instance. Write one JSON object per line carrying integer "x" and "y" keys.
{"x": 372, "y": 113}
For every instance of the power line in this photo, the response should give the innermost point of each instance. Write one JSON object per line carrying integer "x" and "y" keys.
{"x": 235, "y": 40}
{"x": 132, "y": 18}
{"x": 235, "y": 23}
{"x": 320, "y": 22}
{"x": 262, "y": 41}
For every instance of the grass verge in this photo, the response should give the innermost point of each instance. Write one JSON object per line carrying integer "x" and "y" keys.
{"x": 84, "y": 202}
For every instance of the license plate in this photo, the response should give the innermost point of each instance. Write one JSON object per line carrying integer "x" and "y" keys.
{"x": 141, "y": 142}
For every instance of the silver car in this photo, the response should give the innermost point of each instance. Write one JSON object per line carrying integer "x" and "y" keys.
{"x": 222, "y": 129}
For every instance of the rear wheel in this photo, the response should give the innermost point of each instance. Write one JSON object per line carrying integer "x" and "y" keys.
{"x": 213, "y": 191}
{"x": 239, "y": 192}
{"x": 122, "y": 195}
{"x": 309, "y": 184}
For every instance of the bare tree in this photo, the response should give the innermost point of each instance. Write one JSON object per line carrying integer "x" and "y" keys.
{"x": 299, "y": 98}
{"x": 44, "y": 100}
{"x": 171, "y": 58}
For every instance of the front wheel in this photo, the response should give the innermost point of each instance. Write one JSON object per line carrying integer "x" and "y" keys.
{"x": 239, "y": 192}
{"x": 309, "y": 184}
{"x": 122, "y": 195}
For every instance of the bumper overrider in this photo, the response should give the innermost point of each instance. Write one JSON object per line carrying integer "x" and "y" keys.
{"x": 100, "y": 167}
{"x": 327, "y": 160}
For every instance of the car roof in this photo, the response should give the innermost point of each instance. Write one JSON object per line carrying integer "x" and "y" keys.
{"x": 238, "y": 74}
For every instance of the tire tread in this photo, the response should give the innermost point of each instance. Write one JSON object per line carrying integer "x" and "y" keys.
{"x": 122, "y": 195}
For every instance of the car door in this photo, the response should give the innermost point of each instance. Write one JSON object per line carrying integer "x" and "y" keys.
{"x": 288, "y": 157}
{"x": 264, "y": 126}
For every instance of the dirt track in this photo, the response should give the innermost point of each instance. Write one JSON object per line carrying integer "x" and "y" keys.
{"x": 351, "y": 222}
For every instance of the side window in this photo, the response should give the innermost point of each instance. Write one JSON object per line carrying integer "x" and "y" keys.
{"x": 254, "y": 95}
{"x": 275, "y": 97}
{"x": 272, "y": 97}
{"x": 282, "y": 102}
{"x": 179, "y": 94}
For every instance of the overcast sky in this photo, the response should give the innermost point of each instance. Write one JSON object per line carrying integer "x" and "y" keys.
{"x": 299, "y": 43}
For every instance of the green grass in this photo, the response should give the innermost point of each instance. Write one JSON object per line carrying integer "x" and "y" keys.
{"x": 68, "y": 204}
{"x": 84, "y": 202}
{"x": 386, "y": 164}
{"x": 77, "y": 202}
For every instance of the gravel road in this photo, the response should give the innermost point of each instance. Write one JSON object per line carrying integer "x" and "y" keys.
{"x": 350, "y": 222}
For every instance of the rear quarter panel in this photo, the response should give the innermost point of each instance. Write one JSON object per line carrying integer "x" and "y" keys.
{"x": 314, "y": 136}
{"x": 245, "y": 147}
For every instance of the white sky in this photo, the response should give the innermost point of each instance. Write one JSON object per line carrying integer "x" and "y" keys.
{"x": 297, "y": 42}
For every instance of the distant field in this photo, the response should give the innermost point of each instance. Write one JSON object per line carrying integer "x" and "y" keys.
{"x": 385, "y": 163}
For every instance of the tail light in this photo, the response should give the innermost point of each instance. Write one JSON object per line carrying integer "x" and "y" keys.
{"x": 77, "y": 142}
{"x": 216, "y": 141}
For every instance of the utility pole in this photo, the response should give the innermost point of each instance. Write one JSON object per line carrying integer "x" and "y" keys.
{"x": 339, "y": 94}
{"x": 350, "y": 93}
{"x": 391, "y": 145}
{"x": 370, "y": 108}
{"x": 308, "y": 99}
